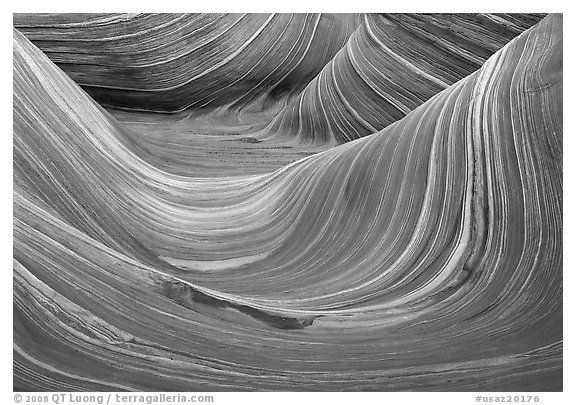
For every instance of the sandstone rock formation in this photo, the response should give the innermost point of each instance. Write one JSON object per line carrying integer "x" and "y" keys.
{"x": 425, "y": 256}
{"x": 170, "y": 62}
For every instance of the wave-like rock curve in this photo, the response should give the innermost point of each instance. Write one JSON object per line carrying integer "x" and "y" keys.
{"x": 427, "y": 256}
{"x": 173, "y": 62}
{"x": 391, "y": 65}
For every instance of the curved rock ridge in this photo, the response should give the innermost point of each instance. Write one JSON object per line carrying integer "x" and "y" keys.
{"x": 172, "y": 62}
{"x": 389, "y": 66}
{"x": 427, "y": 256}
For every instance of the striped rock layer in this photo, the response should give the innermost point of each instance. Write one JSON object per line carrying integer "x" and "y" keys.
{"x": 427, "y": 256}
{"x": 391, "y": 65}
{"x": 361, "y": 73}
{"x": 171, "y": 62}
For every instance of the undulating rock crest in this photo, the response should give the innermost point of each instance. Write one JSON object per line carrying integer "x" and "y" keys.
{"x": 171, "y": 62}
{"x": 385, "y": 65}
{"x": 427, "y": 256}
{"x": 389, "y": 66}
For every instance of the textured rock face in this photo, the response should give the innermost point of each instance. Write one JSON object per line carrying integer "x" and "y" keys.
{"x": 386, "y": 65}
{"x": 172, "y": 62}
{"x": 389, "y": 66}
{"x": 426, "y": 256}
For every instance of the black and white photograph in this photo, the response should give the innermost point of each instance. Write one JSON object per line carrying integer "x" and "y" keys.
{"x": 207, "y": 203}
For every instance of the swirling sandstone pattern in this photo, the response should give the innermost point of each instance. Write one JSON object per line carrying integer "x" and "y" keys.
{"x": 389, "y": 66}
{"x": 427, "y": 256}
{"x": 170, "y": 62}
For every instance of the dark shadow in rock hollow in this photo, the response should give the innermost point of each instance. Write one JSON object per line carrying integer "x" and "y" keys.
{"x": 186, "y": 296}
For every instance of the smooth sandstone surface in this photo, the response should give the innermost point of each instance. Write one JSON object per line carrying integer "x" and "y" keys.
{"x": 219, "y": 251}
{"x": 390, "y": 65}
{"x": 171, "y": 62}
